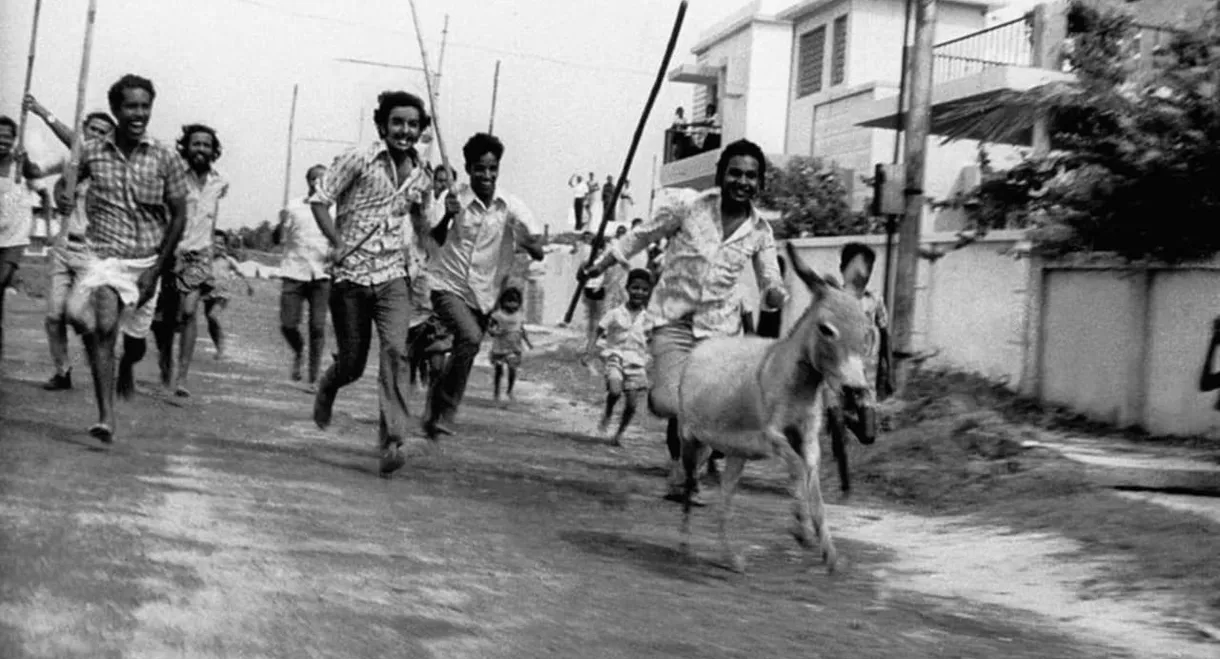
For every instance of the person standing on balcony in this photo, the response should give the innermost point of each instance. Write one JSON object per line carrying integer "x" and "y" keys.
{"x": 579, "y": 190}
{"x": 712, "y": 236}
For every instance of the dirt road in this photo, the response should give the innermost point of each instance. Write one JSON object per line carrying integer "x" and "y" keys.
{"x": 228, "y": 526}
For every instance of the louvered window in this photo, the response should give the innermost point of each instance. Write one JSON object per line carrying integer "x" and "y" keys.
{"x": 812, "y": 58}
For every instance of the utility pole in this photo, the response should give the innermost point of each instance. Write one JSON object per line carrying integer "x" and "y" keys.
{"x": 918, "y": 125}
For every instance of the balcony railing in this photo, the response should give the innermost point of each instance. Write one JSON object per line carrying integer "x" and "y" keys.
{"x": 689, "y": 140}
{"x": 1006, "y": 44}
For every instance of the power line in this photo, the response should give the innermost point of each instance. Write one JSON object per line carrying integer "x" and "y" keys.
{"x": 464, "y": 46}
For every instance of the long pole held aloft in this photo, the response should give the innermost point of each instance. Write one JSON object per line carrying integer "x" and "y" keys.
{"x": 495, "y": 91}
{"x": 608, "y": 212}
{"x": 423, "y": 55}
{"x": 81, "y": 84}
{"x": 29, "y": 79}
{"x": 292, "y": 120}
{"x": 440, "y": 57}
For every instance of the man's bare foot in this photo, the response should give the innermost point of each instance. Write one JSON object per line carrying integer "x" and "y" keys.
{"x": 102, "y": 432}
{"x": 296, "y": 368}
{"x": 617, "y": 442}
{"x": 433, "y": 429}
{"x": 181, "y": 392}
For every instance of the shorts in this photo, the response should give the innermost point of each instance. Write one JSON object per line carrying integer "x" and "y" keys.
{"x": 123, "y": 276}
{"x": 67, "y": 265}
{"x": 621, "y": 376}
{"x": 512, "y": 359}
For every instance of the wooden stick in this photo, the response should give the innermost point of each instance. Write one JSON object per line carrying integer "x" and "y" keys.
{"x": 423, "y": 54}
{"x": 29, "y": 79}
{"x": 440, "y": 58}
{"x": 608, "y": 212}
{"x": 81, "y": 85}
{"x": 292, "y": 119}
{"x": 495, "y": 91}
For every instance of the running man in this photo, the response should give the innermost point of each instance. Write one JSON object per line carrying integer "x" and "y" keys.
{"x": 304, "y": 277}
{"x": 482, "y": 229}
{"x": 711, "y": 238}
{"x": 70, "y": 251}
{"x": 136, "y": 210}
{"x": 376, "y": 190}
{"x": 190, "y": 280}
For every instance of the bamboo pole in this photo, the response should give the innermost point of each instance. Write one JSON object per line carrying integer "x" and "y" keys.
{"x": 608, "y": 213}
{"x": 423, "y": 55}
{"x": 81, "y": 84}
{"x": 440, "y": 58}
{"x": 495, "y": 91}
{"x": 292, "y": 119}
{"x": 29, "y": 79}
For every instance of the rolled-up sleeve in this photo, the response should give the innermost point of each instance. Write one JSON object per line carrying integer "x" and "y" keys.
{"x": 664, "y": 223}
{"x": 766, "y": 268}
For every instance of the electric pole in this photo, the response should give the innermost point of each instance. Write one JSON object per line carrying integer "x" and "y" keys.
{"x": 918, "y": 125}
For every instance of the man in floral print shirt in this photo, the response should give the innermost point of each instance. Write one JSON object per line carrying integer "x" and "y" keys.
{"x": 376, "y": 190}
{"x": 711, "y": 237}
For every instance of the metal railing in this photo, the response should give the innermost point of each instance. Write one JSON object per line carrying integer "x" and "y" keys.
{"x": 1005, "y": 44}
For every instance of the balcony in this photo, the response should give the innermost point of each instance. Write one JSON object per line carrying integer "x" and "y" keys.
{"x": 980, "y": 67}
{"x": 690, "y": 155}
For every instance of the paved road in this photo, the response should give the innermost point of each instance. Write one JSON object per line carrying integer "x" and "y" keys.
{"x": 228, "y": 526}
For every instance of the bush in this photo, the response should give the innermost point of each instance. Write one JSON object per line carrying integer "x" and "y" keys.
{"x": 812, "y": 201}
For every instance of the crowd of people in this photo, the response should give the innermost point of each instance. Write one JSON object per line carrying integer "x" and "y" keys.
{"x": 387, "y": 242}
{"x": 585, "y": 191}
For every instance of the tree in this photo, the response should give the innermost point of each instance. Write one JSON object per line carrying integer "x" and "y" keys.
{"x": 1137, "y": 146}
{"x": 812, "y": 201}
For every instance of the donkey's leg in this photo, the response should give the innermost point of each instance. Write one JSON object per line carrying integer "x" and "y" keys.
{"x": 692, "y": 454}
{"x": 811, "y": 453}
{"x": 729, "y": 478}
{"x": 782, "y": 440}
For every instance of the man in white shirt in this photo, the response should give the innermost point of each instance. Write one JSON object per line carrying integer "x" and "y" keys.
{"x": 190, "y": 280}
{"x": 304, "y": 277}
{"x": 481, "y": 231}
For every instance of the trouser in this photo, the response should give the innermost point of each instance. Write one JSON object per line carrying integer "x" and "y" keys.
{"x": 294, "y": 295}
{"x": 578, "y": 208}
{"x": 467, "y": 325}
{"x": 356, "y": 309}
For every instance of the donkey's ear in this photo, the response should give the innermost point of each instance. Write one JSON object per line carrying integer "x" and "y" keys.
{"x": 811, "y": 278}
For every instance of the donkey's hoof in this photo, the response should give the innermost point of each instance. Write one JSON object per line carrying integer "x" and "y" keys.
{"x": 802, "y": 536}
{"x": 831, "y": 558}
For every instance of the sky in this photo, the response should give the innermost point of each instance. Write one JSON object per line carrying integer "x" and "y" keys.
{"x": 575, "y": 75}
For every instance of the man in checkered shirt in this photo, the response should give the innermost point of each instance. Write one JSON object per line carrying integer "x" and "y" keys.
{"x": 377, "y": 190}
{"x": 136, "y": 210}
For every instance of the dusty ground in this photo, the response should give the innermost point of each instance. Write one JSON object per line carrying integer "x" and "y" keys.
{"x": 228, "y": 526}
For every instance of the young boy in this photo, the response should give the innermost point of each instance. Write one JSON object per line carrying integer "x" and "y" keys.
{"x": 626, "y": 329}
{"x": 856, "y": 262}
{"x": 507, "y": 329}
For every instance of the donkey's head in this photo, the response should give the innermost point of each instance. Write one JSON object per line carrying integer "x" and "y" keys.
{"x": 836, "y": 338}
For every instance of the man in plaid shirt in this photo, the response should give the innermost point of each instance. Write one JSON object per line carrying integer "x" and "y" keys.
{"x": 136, "y": 210}
{"x": 376, "y": 191}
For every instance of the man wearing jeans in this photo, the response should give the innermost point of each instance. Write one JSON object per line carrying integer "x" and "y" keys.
{"x": 478, "y": 236}
{"x": 304, "y": 278}
{"x": 712, "y": 237}
{"x": 375, "y": 190}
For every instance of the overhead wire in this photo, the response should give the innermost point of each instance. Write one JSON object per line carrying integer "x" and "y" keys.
{"x": 451, "y": 44}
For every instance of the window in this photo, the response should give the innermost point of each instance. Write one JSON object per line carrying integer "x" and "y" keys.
{"x": 838, "y": 58}
{"x": 812, "y": 56}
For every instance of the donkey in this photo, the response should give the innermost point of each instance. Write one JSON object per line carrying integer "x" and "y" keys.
{"x": 752, "y": 398}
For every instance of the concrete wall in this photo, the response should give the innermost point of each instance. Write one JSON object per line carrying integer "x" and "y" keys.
{"x": 1124, "y": 345}
{"x": 769, "y": 74}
